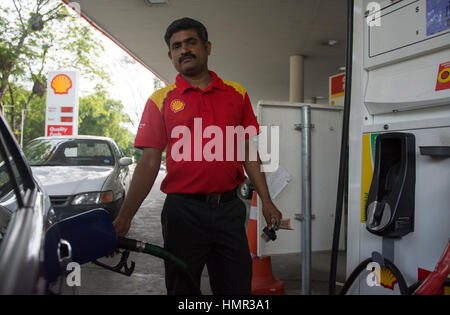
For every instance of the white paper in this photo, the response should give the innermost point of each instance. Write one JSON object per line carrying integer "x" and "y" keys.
{"x": 277, "y": 181}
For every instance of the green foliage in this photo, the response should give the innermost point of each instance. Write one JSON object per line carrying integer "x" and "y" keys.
{"x": 70, "y": 42}
{"x": 102, "y": 116}
{"x": 61, "y": 40}
{"x": 98, "y": 116}
{"x": 37, "y": 35}
{"x": 35, "y": 120}
{"x": 35, "y": 116}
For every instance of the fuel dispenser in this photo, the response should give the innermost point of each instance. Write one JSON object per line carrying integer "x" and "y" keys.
{"x": 399, "y": 140}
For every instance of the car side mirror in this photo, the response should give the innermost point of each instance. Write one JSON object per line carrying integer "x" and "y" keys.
{"x": 88, "y": 237}
{"x": 125, "y": 161}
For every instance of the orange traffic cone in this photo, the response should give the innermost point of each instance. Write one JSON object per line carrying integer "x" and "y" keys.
{"x": 263, "y": 281}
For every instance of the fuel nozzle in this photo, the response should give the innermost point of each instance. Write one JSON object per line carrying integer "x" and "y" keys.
{"x": 147, "y": 248}
{"x": 130, "y": 244}
{"x": 269, "y": 234}
{"x": 391, "y": 199}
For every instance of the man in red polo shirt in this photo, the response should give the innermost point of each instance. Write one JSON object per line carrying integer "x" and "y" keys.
{"x": 200, "y": 119}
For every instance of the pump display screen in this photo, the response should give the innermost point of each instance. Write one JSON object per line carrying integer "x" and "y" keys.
{"x": 438, "y": 16}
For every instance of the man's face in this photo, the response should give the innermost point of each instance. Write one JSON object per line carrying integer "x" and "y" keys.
{"x": 187, "y": 52}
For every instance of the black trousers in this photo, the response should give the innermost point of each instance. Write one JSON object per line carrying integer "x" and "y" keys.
{"x": 207, "y": 234}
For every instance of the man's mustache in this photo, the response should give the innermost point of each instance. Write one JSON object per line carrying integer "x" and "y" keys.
{"x": 180, "y": 60}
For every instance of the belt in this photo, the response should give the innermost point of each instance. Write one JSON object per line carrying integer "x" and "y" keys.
{"x": 214, "y": 198}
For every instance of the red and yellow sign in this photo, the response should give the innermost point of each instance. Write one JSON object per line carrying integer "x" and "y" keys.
{"x": 337, "y": 89}
{"x": 61, "y": 117}
{"x": 177, "y": 105}
{"x": 443, "y": 78}
{"x": 61, "y": 84}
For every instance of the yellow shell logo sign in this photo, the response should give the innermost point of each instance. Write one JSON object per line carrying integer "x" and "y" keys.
{"x": 177, "y": 105}
{"x": 61, "y": 84}
{"x": 388, "y": 279}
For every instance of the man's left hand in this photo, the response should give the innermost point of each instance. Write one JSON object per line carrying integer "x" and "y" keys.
{"x": 271, "y": 214}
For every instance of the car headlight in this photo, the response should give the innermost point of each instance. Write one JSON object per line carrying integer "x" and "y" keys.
{"x": 93, "y": 198}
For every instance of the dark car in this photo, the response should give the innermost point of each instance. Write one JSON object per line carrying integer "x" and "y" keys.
{"x": 25, "y": 216}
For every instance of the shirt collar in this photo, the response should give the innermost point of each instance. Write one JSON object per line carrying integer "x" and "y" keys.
{"x": 216, "y": 83}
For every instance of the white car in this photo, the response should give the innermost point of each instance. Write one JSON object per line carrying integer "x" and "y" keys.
{"x": 80, "y": 173}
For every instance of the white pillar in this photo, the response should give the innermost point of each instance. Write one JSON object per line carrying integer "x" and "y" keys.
{"x": 296, "y": 83}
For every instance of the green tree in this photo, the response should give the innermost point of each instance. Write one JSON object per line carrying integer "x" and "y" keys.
{"x": 36, "y": 35}
{"x": 35, "y": 122}
{"x": 101, "y": 116}
{"x": 98, "y": 115}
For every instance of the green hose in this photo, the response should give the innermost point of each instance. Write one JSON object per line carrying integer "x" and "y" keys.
{"x": 160, "y": 252}
{"x": 157, "y": 251}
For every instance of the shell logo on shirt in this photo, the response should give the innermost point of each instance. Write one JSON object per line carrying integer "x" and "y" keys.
{"x": 177, "y": 105}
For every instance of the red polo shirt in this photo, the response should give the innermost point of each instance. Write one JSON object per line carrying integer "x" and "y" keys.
{"x": 203, "y": 154}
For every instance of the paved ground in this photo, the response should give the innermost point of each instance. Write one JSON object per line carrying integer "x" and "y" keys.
{"x": 148, "y": 276}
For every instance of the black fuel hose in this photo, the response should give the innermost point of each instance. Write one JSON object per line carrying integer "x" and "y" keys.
{"x": 343, "y": 162}
{"x": 387, "y": 264}
{"x": 157, "y": 251}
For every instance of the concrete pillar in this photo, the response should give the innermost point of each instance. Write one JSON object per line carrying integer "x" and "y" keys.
{"x": 296, "y": 83}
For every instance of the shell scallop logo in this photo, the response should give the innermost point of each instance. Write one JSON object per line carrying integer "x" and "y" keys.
{"x": 177, "y": 105}
{"x": 388, "y": 279}
{"x": 61, "y": 84}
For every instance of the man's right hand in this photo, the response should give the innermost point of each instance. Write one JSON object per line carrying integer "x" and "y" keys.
{"x": 121, "y": 226}
{"x": 142, "y": 181}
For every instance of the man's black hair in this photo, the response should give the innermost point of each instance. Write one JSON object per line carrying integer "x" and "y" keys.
{"x": 183, "y": 25}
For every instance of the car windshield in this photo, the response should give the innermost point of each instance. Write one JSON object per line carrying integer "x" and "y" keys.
{"x": 68, "y": 152}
